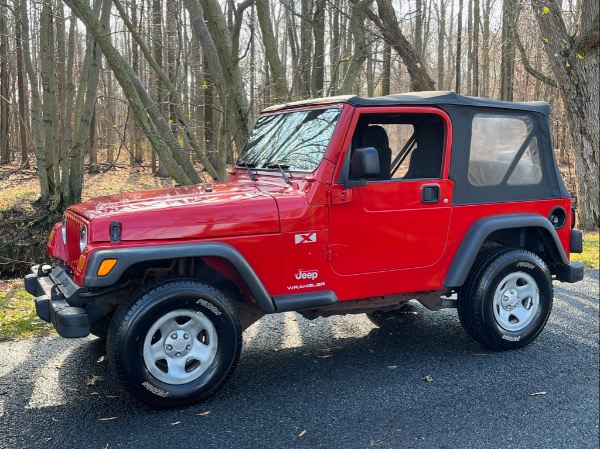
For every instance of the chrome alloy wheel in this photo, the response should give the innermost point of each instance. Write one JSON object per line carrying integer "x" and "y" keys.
{"x": 180, "y": 346}
{"x": 516, "y": 301}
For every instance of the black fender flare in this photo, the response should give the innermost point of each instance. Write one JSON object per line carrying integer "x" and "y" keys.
{"x": 482, "y": 228}
{"x": 126, "y": 257}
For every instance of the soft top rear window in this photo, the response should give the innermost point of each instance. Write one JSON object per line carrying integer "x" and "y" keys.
{"x": 503, "y": 150}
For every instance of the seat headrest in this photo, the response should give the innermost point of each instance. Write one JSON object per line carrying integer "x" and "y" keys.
{"x": 374, "y": 136}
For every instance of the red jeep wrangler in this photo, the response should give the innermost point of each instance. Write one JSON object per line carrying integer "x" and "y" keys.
{"x": 335, "y": 205}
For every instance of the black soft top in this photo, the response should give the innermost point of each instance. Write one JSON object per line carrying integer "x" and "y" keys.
{"x": 431, "y": 98}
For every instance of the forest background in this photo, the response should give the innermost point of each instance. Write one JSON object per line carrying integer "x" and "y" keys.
{"x": 172, "y": 87}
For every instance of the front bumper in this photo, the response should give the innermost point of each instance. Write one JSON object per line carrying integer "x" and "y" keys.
{"x": 53, "y": 288}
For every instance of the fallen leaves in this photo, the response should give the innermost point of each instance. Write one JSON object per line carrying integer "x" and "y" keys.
{"x": 91, "y": 381}
{"x": 539, "y": 393}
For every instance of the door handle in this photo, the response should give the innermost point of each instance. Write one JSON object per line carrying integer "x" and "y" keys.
{"x": 430, "y": 194}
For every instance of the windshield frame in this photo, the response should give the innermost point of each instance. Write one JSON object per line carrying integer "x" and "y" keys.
{"x": 282, "y": 165}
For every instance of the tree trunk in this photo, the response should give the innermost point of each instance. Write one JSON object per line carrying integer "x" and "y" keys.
{"x": 93, "y": 145}
{"x": 441, "y": 43}
{"x": 305, "y": 48}
{"x": 475, "y": 53}
{"x": 23, "y": 94}
{"x": 68, "y": 109}
{"x": 390, "y": 29}
{"x": 357, "y": 26}
{"x": 80, "y": 143}
{"x": 485, "y": 50}
{"x": 277, "y": 69}
{"x": 50, "y": 112}
{"x": 36, "y": 118}
{"x": 319, "y": 59}
{"x": 159, "y": 93}
{"x": 575, "y": 64}
{"x": 457, "y": 77}
{"x": 4, "y": 83}
{"x": 172, "y": 91}
{"x": 136, "y": 94}
{"x": 138, "y": 153}
{"x": 507, "y": 61}
{"x": 419, "y": 28}
{"x": 226, "y": 67}
{"x": 334, "y": 61}
{"x": 386, "y": 70}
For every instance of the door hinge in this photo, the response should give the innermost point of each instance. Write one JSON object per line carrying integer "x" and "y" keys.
{"x": 341, "y": 196}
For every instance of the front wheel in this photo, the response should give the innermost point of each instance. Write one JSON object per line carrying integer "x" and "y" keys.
{"x": 174, "y": 343}
{"x": 506, "y": 299}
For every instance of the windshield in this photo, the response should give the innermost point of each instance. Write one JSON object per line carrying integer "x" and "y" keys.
{"x": 293, "y": 140}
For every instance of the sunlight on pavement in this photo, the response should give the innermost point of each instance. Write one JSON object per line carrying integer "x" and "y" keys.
{"x": 291, "y": 337}
{"x": 46, "y": 390}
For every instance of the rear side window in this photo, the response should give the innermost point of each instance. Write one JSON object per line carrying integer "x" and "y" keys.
{"x": 504, "y": 149}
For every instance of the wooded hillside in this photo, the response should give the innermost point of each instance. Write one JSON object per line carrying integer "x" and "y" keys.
{"x": 174, "y": 84}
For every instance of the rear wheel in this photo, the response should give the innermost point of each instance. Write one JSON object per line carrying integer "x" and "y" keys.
{"x": 506, "y": 299}
{"x": 175, "y": 343}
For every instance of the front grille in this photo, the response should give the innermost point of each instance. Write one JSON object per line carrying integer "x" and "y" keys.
{"x": 73, "y": 230}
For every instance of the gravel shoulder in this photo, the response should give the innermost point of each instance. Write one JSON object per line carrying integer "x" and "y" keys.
{"x": 332, "y": 383}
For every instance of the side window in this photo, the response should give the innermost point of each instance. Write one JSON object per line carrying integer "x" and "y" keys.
{"x": 503, "y": 149}
{"x": 409, "y": 146}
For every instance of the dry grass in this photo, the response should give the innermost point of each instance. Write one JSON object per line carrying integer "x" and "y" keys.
{"x": 22, "y": 188}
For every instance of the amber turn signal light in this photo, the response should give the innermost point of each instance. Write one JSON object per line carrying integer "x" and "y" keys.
{"x": 106, "y": 266}
{"x": 80, "y": 262}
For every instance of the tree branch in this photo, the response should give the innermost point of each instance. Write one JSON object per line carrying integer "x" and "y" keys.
{"x": 589, "y": 41}
{"x": 530, "y": 69}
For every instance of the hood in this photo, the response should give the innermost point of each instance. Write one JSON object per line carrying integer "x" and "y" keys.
{"x": 190, "y": 212}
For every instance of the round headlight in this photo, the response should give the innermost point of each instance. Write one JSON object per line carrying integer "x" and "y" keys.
{"x": 64, "y": 230}
{"x": 83, "y": 237}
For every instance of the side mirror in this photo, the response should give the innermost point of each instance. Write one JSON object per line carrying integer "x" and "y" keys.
{"x": 365, "y": 163}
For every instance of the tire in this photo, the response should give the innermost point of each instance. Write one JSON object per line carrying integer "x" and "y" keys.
{"x": 174, "y": 343}
{"x": 392, "y": 318}
{"x": 506, "y": 299}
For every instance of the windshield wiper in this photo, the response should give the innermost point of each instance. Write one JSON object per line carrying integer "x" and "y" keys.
{"x": 280, "y": 167}
{"x": 248, "y": 167}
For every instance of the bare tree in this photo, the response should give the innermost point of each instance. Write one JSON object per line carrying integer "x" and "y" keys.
{"x": 22, "y": 92}
{"x": 4, "y": 84}
{"x": 574, "y": 60}
{"x": 507, "y": 62}
{"x": 165, "y": 143}
{"x": 387, "y": 23}
{"x": 459, "y": 37}
{"x": 263, "y": 14}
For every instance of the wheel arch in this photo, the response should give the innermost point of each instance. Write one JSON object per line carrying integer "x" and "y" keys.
{"x": 515, "y": 230}
{"x": 128, "y": 258}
